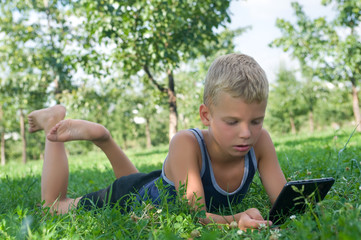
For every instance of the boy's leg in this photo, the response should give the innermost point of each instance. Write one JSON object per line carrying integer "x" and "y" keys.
{"x": 54, "y": 178}
{"x": 73, "y": 129}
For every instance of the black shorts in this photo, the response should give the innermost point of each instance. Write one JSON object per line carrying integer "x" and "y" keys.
{"x": 118, "y": 192}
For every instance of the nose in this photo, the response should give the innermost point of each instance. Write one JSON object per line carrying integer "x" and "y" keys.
{"x": 245, "y": 131}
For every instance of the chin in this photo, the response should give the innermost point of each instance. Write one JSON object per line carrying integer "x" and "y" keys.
{"x": 239, "y": 154}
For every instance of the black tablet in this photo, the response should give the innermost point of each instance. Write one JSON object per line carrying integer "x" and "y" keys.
{"x": 292, "y": 198}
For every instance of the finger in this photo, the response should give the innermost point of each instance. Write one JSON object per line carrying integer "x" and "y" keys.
{"x": 246, "y": 223}
{"x": 259, "y": 224}
{"x": 254, "y": 214}
{"x": 266, "y": 223}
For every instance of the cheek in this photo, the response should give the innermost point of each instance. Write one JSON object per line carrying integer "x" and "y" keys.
{"x": 256, "y": 131}
{"x": 224, "y": 130}
{"x": 228, "y": 132}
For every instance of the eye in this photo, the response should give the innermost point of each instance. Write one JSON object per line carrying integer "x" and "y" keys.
{"x": 231, "y": 122}
{"x": 257, "y": 121}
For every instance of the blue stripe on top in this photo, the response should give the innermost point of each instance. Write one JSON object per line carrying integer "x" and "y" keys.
{"x": 215, "y": 197}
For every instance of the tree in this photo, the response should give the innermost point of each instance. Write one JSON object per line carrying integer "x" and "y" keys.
{"x": 19, "y": 81}
{"x": 312, "y": 92}
{"x": 192, "y": 74}
{"x": 329, "y": 50}
{"x": 334, "y": 107}
{"x": 147, "y": 106}
{"x": 36, "y": 64}
{"x": 2, "y": 138}
{"x": 154, "y": 37}
{"x": 5, "y": 123}
{"x": 285, "y": 104}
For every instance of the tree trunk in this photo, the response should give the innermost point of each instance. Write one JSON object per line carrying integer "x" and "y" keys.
{"x": 293, "y": 126}
{"x": 22, "y": 132}
{"x": 147, "y": 133}
{"x": 311, "y": 121}
{"x": 3, "y": 160}
{"x": 172, "y": 100}
{"x": 355, "y": 106}
{"x": 2, "y": 129}
{"x": 57, "y": 91}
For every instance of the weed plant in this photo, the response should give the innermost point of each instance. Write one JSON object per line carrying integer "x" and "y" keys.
{"x": 332, "y": 154}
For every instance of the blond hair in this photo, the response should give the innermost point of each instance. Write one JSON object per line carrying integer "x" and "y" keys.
{"x": 238, "y": 75}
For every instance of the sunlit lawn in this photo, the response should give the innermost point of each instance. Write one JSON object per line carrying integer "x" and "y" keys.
{"x": 301, "y": 157}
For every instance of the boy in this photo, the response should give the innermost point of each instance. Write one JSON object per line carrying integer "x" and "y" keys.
{"x": 217, "y": 164}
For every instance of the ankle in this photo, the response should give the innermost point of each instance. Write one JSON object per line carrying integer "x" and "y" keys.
{"x": 104, "y": 141}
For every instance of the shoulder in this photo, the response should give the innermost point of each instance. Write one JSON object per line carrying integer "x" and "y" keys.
{"x": 183, "y": 137}
{"x": 184, "y": 158}
{"x": 264, "y": 139}
{"x": 264, "y": 145}
{"x": 185, "y": 144}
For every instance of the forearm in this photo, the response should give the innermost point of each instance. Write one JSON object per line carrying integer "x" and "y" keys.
{"x": 251, "y": 218}
{"x": 220, "y": 219}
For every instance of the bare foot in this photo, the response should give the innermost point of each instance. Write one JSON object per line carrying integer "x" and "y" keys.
{"x": 73, "y": 129}
{"x": 45, "y": 119}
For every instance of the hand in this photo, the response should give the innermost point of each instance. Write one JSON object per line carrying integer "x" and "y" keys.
{"x": 251, "y": 218}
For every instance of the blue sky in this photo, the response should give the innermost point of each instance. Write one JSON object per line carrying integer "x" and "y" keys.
{"x": 261, "y": 15}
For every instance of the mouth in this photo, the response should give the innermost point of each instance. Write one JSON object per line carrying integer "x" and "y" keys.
{"x": 242, "y": 148}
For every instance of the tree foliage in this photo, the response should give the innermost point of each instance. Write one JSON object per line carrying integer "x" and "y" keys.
{"x": 329, "y": 50}
{"x": 285, "y": 105}
{"x": 301, "y": 104}
{"x": 156, "y": 36}
{"x": 37, "y": 60}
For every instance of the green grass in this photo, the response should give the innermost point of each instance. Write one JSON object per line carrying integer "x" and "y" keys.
{"x": 301, "y": 157}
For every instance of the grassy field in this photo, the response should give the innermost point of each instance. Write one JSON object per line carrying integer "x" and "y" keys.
{"x": 335, "y": 154}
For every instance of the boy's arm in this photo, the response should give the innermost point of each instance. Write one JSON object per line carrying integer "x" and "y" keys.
{"x": 269, "y": 169}
{"x": 183, "y": 166}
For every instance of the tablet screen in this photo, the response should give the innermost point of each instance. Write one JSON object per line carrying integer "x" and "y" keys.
{"x": 292, "y": 198}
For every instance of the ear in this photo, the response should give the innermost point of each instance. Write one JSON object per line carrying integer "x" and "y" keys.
{"x": 205, "y": 114}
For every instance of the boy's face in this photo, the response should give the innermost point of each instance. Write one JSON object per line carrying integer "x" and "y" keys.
{"x": 233, "y": 124}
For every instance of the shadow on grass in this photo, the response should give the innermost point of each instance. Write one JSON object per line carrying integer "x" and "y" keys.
{"x": 150, "y": 152}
